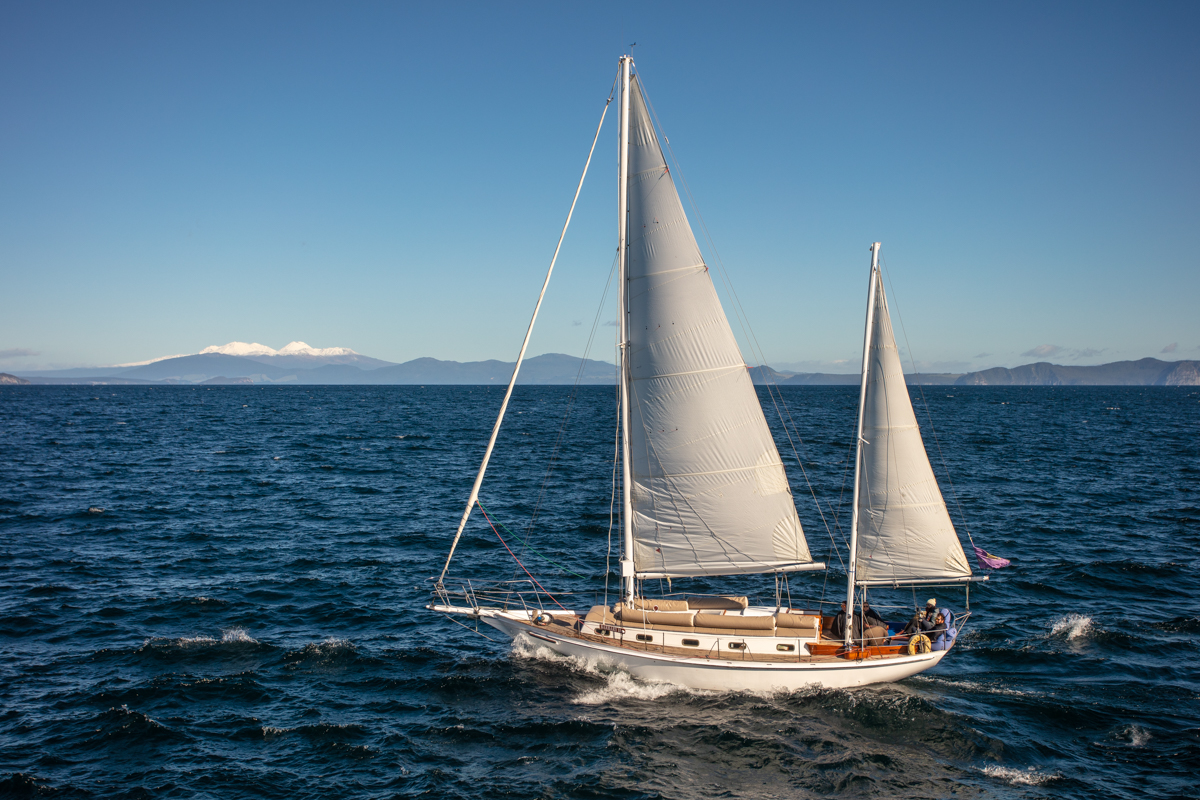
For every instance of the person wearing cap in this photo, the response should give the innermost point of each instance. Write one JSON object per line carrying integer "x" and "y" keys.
{"x": 922, "y": 622}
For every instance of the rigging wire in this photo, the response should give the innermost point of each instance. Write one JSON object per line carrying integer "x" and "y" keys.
{"x": 954, "y": 491}
{"x": 474, "y": 496}
{"x": 525, "y": 545}
{"x": 514, "y": 555}
{"x": 747, "y": 330}
{"x": 612, "y": 499}
{"x": 570, "y": 403}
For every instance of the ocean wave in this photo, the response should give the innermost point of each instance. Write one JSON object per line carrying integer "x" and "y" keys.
{"x": 1030, "y": 776}
{"x": 1179, "y": 625}
{"x": 1073, "y": 626}
{"x": 327, "y": 654}
{"x": 619, "y": 685}
{"x": 134, "y": 726}
{"x": 235, "y": 637}
{"x": 971, "y": 686}
{"x": 318, "y": 731}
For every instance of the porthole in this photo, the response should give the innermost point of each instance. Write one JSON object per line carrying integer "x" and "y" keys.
{"x": 737, "y": 645}
{"x": 786, "y": 648}
{"x": 691, "y": 642}
{"x": 645, "y": 637}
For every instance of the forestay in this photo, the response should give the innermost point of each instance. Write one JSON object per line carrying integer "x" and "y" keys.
{"x": 709, "y": 492}
{"x": 904, "y": 530}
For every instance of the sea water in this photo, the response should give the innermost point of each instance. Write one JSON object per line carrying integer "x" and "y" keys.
{"x": 219, "y": 592}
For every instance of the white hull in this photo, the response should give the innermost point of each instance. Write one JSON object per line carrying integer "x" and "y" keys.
{"x": 717, "y": 674}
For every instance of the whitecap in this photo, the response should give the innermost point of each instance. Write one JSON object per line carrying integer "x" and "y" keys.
{"x": 238, "y": 635}
{"x": 620, "y": 685}
{"x": 1073, "y": 626}
{"x": 192, "y": 641}
{"x": 1027, "y": 777}
{"x": 1136, "y": 735}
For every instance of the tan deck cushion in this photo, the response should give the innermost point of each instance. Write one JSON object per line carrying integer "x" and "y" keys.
{"x": 651, "y": 604}
{"x": 728, "y": 603}
{"x": 679, "y": 619}
{"x": 734, "y": 621}
{"x": 809, "y": 625}
{"x": 600, "y": 614}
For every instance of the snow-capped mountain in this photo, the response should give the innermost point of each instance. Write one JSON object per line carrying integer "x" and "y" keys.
{"x": 289, "y": 349}
{"x": 293, "y": 354}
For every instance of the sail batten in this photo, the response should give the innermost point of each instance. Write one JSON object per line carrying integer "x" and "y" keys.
{"x": 709, "y": 492}
{"x": 904, "y": 530}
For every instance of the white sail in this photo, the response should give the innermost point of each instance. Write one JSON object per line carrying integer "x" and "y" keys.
{"x": 904, "y": 530}
{"x": 709, "y": 492}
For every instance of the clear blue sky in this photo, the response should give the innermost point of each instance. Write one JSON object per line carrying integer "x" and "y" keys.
{"x": 392, "y": 177}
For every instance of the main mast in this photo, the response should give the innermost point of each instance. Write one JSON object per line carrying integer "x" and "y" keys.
{"x": 858, "y": 442}
{"x": 627, "y": 570}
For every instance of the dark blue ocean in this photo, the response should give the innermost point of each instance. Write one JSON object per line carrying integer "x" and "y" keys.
{"x": 244, "y": 617}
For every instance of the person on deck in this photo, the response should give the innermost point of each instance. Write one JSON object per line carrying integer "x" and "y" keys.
{"x": 943, "y": 633}
{"x": 837, "y": 629}
{"x": 922, "y": 622}
{"x": 876, "y": 630}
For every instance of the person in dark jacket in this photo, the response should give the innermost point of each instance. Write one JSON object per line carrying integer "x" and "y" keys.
{"x": 871, "y": 617}
{"x": 938, "y": 629}
{"x": 944, "y": 638}
{"x": 876, "y": 630}
{"x": 837, "y": 630}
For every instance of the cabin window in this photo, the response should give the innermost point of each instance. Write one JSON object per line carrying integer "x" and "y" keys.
{"x": 691, "y": 642}
{"x": 737, "y": 645}
{"x": 786, "y": 648}
{"x": 645, "y": 637}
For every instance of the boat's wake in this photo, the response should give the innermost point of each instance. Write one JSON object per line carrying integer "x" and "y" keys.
{"x": 1017, "y": 777}
{"x": 618, "y": 683}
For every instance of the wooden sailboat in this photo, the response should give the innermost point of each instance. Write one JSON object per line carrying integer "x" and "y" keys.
{"x": 704, "y": 492}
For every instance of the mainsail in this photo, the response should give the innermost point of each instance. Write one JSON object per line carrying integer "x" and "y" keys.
{"x": 709, "y": 493}
{"x": 904, "y": 530}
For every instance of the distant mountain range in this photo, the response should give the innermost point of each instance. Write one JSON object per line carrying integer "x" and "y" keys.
{"x": 297, "y": 363}
{"x": 1144, "y": 372}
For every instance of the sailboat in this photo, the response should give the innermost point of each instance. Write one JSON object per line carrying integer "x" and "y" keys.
{"x": 703, "y": 489}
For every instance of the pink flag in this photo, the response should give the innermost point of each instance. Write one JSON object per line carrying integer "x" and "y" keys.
{"x": 989, "y": 561}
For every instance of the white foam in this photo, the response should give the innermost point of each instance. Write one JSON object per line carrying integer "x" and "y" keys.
{"x": 1073, "y": 626}
{"x": 971, "y": 686}
{"x": 622, "y": 686}
{"x": 237, "y": 635}
{"x": 1027, "y": 777}
{"x": 618, "y": 684}
{"x": 192, "y": 641}
{"x": 1138, "y": 736}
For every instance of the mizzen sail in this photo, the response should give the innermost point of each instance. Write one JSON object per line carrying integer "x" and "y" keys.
{"x": 709, "y": 492}
{"x": 904, "y": 530}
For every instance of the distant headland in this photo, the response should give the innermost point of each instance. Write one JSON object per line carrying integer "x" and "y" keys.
{"x": 238, "y": 363}
{"x": 1143, "y": 372}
